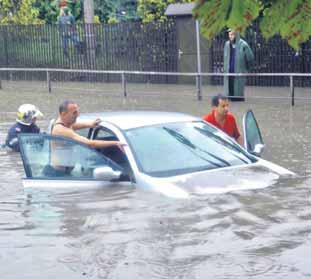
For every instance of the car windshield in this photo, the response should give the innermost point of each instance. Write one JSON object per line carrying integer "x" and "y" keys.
{"x": 184, "y": 147}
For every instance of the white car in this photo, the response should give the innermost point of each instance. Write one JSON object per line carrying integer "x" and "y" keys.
{"x": 172, "y": 153}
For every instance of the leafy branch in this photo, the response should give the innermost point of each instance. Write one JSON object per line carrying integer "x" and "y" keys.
{"x": 290, "y": 19}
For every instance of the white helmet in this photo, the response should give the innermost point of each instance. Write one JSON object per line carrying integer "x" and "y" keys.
{"x": 26, "y": 113}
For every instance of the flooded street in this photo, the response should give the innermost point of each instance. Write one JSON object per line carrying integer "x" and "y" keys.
{"x": 131, "y": 233}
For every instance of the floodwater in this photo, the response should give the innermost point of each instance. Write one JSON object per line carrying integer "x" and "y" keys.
{"x": 131, "y": 233}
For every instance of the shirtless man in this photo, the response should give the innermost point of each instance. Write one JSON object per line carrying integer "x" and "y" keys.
{"x": 62, "y": 160}
{"x": 65, "y": 125}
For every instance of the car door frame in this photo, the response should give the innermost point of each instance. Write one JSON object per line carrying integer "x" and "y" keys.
{"x": 122, "y": 138}
{"x": 258, "y": 147}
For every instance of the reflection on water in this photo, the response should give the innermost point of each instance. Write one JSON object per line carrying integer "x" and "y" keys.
{"x": 130, "y": 233}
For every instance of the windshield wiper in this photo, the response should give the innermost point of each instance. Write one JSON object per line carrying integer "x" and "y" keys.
{"x": 188, "y": 143}
{"x": 227, "y": 144}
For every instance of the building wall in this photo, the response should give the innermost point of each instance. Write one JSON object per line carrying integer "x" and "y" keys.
{"x": 187, "y": 48}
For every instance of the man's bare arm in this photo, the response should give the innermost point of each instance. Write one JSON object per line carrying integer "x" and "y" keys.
{"x": 69, "y": 133}
{"x": 86, "y": 124}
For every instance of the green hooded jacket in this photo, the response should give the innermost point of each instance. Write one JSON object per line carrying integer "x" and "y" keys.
{"x": 244, "y": 60}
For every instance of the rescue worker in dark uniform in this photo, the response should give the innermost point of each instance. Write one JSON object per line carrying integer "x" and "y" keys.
{"x": 27, "y": 115}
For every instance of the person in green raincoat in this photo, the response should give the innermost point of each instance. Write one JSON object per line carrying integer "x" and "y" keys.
{"x": 238, "y": 58}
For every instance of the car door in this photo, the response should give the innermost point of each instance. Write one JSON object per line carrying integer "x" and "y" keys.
{"x": 253, "y": 141}
{"x": 62, "y": 161}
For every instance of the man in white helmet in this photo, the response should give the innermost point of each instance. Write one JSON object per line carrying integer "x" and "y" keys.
{"x": 27, "y": 115}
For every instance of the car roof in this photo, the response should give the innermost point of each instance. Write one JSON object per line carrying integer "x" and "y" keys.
{"x": 134, "y": 119}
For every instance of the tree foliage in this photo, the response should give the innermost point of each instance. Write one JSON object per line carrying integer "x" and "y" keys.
{"x": 35, "y": 11}
{"x": 153, "y": 10}
{"x": 215, "y": 15}
{"x": 290, "y": 19}
{"x": 19, "y": 12}
{"x": 50, "y": 10}
{"x": 113, "y": 11}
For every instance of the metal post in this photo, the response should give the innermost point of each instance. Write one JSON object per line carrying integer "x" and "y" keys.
{"x": 5, "y": 41}
{"x": 292, "y": 89}
{"x": 48, "y": 80}
{"x": 199, "y": 77}
{"x": 199, "y": 87}
{"x": 124, "y": 84}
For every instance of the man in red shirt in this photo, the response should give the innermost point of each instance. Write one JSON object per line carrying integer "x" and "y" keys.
{"x": 221, "y": 118}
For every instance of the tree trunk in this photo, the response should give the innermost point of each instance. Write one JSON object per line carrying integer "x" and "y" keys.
{"x": 89, "y": 33}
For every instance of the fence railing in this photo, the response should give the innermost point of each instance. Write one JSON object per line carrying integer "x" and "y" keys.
{"x": 6, "y": 74}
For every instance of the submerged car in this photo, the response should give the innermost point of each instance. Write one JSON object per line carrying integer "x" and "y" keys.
{"x": 172, "y": 153}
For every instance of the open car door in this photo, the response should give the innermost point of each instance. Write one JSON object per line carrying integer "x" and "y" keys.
{"x": 253, "y": 141}
{"x": 52, "y": 161}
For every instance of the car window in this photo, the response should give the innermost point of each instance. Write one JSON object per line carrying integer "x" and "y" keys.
{"x": 85, "y": 132}
{"x": 178, "y": 148}
{"x": 102, "y": 133}
{"x": 112, "y": 152}
{"x": 46, "y": 156}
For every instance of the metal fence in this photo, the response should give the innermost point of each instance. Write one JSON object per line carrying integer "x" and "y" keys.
{"x": 124, "y": 46}
{"x": 133, "y": 46}
{"x": 55, "y": 76}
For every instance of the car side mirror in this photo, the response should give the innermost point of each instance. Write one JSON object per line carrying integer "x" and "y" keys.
{"x": 106, "y": 173}
{"x": 258, "y": 149}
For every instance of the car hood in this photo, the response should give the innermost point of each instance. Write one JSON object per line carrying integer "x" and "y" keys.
{"x": 223, "y": 180}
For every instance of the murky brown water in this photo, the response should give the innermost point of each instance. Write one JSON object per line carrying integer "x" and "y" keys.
{"x": 130, "y": 233}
